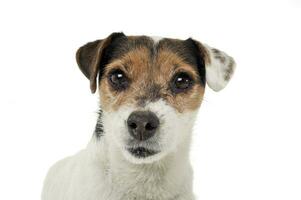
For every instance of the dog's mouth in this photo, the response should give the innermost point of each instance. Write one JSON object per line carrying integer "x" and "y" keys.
{"x": 141, "y": 152}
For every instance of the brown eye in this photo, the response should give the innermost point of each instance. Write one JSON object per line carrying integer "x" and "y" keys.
{"x": 181, "y": 82}
{"x": 118, "y": 79}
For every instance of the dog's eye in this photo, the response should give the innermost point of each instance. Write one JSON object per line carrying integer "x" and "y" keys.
{"x": 181, "y": 82}
{"x": 118, "y": 79}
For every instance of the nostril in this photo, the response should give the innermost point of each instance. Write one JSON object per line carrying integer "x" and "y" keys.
{"x": 150, "y": 127}
{"x": 133, "y": 125}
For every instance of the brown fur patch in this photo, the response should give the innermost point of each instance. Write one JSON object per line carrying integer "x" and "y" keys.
{"x": 150, "y": 72}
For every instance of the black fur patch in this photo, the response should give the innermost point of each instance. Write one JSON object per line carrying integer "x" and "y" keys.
{"x": 114, "y": 50}
{"x": 98, "y": 132}
{"x": 200, "y": 62}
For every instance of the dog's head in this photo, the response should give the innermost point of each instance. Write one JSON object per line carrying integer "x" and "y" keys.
{"x": 150, "y": 89}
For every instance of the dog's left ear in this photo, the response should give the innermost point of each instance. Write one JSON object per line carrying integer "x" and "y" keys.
{"x": 92, "y": 57}
{"x": 219, "y": 66}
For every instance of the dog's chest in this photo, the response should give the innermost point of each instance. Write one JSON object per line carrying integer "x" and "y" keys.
{"x": 142, "y": 183}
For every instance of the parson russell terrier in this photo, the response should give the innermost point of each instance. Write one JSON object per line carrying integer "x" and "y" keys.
{"x": 150, "y": 91}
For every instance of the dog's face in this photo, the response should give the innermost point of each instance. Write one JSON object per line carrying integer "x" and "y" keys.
{"x": 150, "y": 89}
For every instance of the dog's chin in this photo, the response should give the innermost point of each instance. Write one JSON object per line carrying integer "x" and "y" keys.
{"x": 142, "y": 155}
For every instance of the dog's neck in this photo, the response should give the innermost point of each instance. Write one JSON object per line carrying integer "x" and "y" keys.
{"x": 165, "y": 177}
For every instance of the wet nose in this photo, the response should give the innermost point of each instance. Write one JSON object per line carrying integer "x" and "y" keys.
{"x": 142, "y": 124}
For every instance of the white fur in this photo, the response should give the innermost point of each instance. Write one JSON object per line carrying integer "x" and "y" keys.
{"x": 216, "y": 71}
{"x": 106, "y": 171}
{"x": 156, "y": 39}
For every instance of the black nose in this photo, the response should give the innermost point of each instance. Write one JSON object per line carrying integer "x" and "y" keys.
{"x": 142, "y": 124}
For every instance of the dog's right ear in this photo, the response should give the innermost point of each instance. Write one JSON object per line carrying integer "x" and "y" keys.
{"x": 91, "y": 58}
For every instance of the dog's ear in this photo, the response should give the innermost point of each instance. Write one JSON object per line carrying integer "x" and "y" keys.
{"x": 219, "y": 66}
{"x": 91, "y": 58}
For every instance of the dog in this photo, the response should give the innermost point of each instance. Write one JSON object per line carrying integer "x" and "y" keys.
{"x": 150, "y": 90}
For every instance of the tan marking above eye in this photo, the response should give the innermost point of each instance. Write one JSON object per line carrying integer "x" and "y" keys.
{"x": 117, "y": 64}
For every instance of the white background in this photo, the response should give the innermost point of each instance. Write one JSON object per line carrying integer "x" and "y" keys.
{"x": 247, "y": 140}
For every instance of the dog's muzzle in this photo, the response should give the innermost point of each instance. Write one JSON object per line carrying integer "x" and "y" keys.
{"x": 142, "y": 125}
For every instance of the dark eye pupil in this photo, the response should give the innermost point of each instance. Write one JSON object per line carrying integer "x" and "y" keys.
{"x": 117, "y": 77}
{"x": 118, "y": 80}
{"x": 183, "y": 81}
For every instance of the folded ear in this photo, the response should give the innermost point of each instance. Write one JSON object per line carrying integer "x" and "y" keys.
{"x": 218, "y": 65}
{"x": 219, "y": 69}
{"x": 91, "y": 58}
